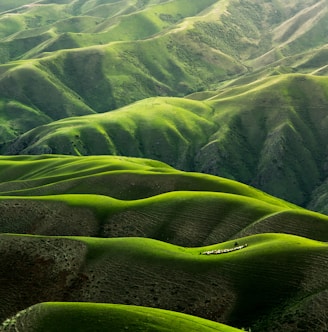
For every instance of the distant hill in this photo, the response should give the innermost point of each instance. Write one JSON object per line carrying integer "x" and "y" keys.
{"x": 251, "y": 65}
{"x": 157, "y": 160}
{"x": 268, "y": 134}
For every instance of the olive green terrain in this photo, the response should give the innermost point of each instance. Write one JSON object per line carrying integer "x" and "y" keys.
{"x": 111, "y": 229}
{"x": 105, "y": 196}
{"x": 248, "y": 66}
{"x": 125, "y": 128}
{"x": 267, "y": 133}
{"x": 94, "y": 317}
{"x": 250, "y": 287}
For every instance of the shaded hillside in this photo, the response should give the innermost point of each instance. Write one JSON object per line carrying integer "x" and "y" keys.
{"x": 257, "y": 122}
{"x": 268, "y": 134}
{"x": 240, "y": 288}
{"x": 223, "y": 87}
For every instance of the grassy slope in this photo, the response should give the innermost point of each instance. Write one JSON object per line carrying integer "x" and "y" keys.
{"x": 168, "y": 129}
{"x": 85, "y": 317}
{"x": 175, "y": 66}
{"x": 158, "y": 66}
{"x": 237, "y": 288}
{"x": 265, "y": 133}
{"x": 280, "y": 128}
{"x": 118, "y": 197}
{"x": 185, "y": 55}
{"x": 182, "y": 218}
{"x": 52, "y": 169}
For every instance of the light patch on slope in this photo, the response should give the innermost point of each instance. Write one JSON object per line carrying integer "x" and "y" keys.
{"x": 303, "y": 21}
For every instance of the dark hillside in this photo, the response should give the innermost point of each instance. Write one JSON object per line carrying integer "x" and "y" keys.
{"x": 240, "y": 288}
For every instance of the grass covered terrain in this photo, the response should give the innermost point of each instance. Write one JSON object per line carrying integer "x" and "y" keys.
{"x": 101, "y": 55}
{"x": 54, "y": 316}
{"x": 106, "y": 215}
{"x": 265, "y": 133}
{"x": 240, "y": 288}
{"x": 250, "y": 66}
{"x": 235, "y": 89}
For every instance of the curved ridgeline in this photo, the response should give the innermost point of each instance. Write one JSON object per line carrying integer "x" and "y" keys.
{"x": 209, "y": 270}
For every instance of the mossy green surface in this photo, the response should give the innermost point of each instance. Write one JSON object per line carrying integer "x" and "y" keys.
{"x": 83, "y": 317}
{"x": 254, "y": 74}
{"x": 265, "y": 133}
{"x": 239, "y": 288}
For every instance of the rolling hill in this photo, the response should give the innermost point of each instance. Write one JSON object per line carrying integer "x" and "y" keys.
{"x": 248, "y": 287}
{"x": 143, "y": 148}
{"x": 66, "y": 59}
{"x": 105, "y": 196}
{"x": 101, "y": 317}
{"x": 118, "y": 208}
{"x": 266, "y": 134}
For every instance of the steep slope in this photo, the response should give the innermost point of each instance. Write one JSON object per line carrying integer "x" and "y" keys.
{"x": 98, "y": 56}
{"x": 275, "y": 137}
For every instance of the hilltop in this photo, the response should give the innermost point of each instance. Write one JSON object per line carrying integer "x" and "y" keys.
{"x": 248, "y": 67}
{"x": 157, "y": 160}
{"x": 266, "y": 286}
{"x": 267, "y": 134}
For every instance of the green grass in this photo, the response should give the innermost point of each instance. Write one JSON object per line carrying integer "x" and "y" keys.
{"x": 251, "y": 132}
{"x": 109, "y": 196}
{"x": 54, "y": 316}
{"x": 183, "y": 218}
{"x": 238, "y": 288}
{"x": 53, "y": 173}
{"x": 254, "y": 118}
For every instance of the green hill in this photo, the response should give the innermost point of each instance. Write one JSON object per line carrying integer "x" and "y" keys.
{"x": 108, "y": 196}
{"x": 267, "y": 133}
{"x": 85, "y": 317}
{"x": 132, "y": 137}
{"x": 97, "y": 56}
{"x": 241, "y": 61}
{"x": 240, "y": 288}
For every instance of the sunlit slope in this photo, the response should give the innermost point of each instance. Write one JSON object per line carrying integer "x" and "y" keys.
{"x": 238, "y": 288}
{"x": 103, "y": 78}
{"x": 243, "y": 30}
{"x": 83, "y": 57}
{"x": 268, "y": 133}
{"x": 135, "y": 178}
{"x": 183, "y": 217}
{"x": 111, "y": 196}
{"x": 83, "y": 317}
{"x": 304, "y": 31}
{"x": 47, "y": 27}
{"x": 169, "y": 129}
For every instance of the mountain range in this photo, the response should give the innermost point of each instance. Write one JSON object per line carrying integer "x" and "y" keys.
{"x": 163, "y": 165}
{"x": 247, "y": 65}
